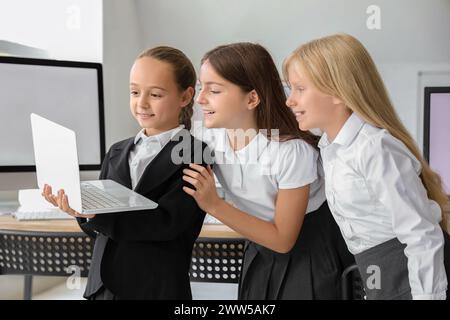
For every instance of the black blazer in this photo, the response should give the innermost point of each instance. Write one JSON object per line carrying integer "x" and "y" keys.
{"x": 147, "y": 254}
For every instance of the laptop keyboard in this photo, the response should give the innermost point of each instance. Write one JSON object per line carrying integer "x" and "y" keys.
{"x": 95, "y": 198}
{"x": 41, "y": 215}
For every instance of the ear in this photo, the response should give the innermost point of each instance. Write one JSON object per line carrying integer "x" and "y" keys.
{"x": 336, "y": 100}
{"x": 187, "y": 96}
{"x": 253, "y": 100}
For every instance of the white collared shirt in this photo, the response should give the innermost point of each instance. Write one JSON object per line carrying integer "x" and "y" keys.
{"x": 252, "y": 176}
{"x": 145, "y": 150}
{"x": 375, "y": 193}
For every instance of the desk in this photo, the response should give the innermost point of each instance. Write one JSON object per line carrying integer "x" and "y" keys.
{"x": 71, "y": 226}
{"x": 60, "y": 248}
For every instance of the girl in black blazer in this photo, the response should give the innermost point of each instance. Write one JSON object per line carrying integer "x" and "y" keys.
{"x": 147, "y": 254}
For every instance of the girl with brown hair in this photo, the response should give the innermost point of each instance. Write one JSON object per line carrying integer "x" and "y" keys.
{"x": 147, "y": 254}
{"x": 270, "y": 173}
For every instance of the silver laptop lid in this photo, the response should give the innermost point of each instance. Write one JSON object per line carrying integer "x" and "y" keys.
{"x": 55, "y": 154}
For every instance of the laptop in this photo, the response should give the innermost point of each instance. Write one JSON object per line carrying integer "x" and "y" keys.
{"x": 56, "y": 158}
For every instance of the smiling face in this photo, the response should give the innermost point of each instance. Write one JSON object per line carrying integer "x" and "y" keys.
{"x": 312, "y": 108}
{"x": 224, "y": 104}
{"x": 155, "y": 99}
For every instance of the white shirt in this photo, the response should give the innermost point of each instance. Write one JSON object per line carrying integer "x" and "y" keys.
{"x": 145, "y": 150}
{"x": 252, "y": 176}
{"x": 375, "y": 193}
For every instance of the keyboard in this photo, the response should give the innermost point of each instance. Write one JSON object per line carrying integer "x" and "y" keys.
{"x": 50, "y": 214}
{"x": 95, "y": 198}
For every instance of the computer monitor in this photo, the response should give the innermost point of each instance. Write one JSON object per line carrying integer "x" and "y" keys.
{"x": 437, "y": 132}
{"x": 67, "y": 92}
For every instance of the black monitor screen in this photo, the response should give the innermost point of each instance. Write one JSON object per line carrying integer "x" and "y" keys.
{"x": 68, "y": 93}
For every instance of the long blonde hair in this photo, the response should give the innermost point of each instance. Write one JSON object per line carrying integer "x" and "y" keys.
{"x": 340, "y": 66}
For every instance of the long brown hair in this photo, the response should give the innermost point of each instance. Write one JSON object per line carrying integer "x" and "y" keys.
{"x": 340, "y": 66}
{"x": 184, "y": 72}
{"x": 251, "y": 67}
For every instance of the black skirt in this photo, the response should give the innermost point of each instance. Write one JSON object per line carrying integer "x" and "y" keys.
{"x": 311, "y": 270}
{"x": 392, "y": 264}
{"x": 103, "y": 294}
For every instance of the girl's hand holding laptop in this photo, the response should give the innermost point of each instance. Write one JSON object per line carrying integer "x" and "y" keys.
{"x": 62, "y": 202}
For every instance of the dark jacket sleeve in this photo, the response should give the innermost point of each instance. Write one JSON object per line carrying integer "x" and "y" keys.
{"x": 82, "y": 221}
{"x": 176, "y": 212}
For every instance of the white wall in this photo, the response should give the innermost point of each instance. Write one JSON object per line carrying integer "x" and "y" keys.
{"x": 67, "y": 29}
{"x": 122, "y": 42}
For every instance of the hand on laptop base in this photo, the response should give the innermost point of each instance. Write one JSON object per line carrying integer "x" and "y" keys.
{"x": 62, "y": 202}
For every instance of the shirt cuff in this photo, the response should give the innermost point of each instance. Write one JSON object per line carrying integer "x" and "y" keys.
{"x": 434, "y": 296}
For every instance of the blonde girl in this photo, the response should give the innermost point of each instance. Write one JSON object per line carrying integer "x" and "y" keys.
{"x": 384, "y": 196}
